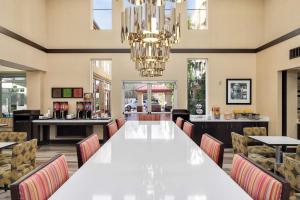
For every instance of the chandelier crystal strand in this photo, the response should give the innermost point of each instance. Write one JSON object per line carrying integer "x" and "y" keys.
{"x": 150, "y": 34}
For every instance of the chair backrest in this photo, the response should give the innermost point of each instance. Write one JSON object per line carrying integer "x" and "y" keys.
{"x": 239, "y": 143}
{"x": 254, "y": 131}
{"x": 149, "y": 117}
{"x": 298, "y": 153}
{"x": 179, "y": 122}
{"x": 23, "y": 158}
{"x": 292, "y": 172}
{"x": 7, "y": 120}
{"x": 86, "y": 148}
{"x": 188, "y": 128}
{"x": 112, "y": 128}
{"x": 13, "y": 137}
{"x": 120, "y": 122}
{"x": 213, "y": 148}
{"x": 257, "y": 182}
{"x": 42, "y": 182}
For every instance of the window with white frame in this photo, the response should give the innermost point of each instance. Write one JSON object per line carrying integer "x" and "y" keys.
{"x": 102, "y": 15}
{"x": 197, "y": 13}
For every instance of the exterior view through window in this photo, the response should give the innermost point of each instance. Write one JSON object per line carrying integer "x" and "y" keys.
{"x": 102, "y": 15}
{"x": 197, "y": 86}
{"x": 101, "y": 87}
{"x": 148, "y": 96}
{"x": 13, "y": 94}
{"x": 197, "y": 14}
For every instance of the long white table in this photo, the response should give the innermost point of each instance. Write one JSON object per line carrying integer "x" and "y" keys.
{"x": 150, "y": 160}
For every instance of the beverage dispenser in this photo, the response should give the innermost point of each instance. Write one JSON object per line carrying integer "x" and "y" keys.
{"x": 88, "y": 109}
{"x": 64, "y": 107}
{"x": 56, "y": 110}
{"x": 80, "y": 107}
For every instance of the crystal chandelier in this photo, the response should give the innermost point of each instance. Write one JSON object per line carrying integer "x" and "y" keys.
{"x": 150, "y": 34}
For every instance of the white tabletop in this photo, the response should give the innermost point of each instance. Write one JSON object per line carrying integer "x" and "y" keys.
{"x": 150, "y": 160}
{"x": 276, "y": 140}
{"x": 6, "y": 144}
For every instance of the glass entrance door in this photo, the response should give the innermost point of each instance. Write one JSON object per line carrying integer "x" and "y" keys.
{"x": 140, "y": 97}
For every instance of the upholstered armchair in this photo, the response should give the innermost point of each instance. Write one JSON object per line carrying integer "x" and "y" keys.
{"x": 252, "y": 144}
{"x": 22, "y": 162}
{"x": 240, "y": 145}
{"x": 18, "y": 137}
{"x": 9, "y": 122}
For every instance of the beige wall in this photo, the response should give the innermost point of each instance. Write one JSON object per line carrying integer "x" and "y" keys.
{"x": 69, "y": 70}
{"x": 292, "y": 105}
{"x": 28, "y": 19}
{"x": 25, "y": 17}
{"x": 269, "y": 64}
{"x": 34, "y": 83}
{"x": 69, "y": 29}
{"x": 280, "y": 18}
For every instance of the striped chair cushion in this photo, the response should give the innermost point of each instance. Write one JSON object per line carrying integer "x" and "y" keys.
{"x": 211, "y": 147}
{"x": 258, "y": 184}
{"x": 179, "y": 122}
{"x": 112, "y": 128}
{"x": 120, "y": 122}
{"x": 42, "y": 184}
{"x": 88, "y": 147}
{"x": 188, "y": 128}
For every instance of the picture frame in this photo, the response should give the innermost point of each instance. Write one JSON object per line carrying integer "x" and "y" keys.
{"x": 77, "y": 92}
{"x": 56, "y": 93}
{"x": 66, "y": 92}
{"x": 238, "y": 91}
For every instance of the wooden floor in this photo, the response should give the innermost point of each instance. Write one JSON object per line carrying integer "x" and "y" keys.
{"x": 47, "y": 151}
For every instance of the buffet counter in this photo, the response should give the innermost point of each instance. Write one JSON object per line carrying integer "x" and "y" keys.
{"x": 67, "y": 130}
{"x": 221, "y": 128}
{"x": 199, "y": 118}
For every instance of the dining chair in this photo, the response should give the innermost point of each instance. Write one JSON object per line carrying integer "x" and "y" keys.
{"x": 42, "y": 182}
{"x": 213, "y": 148}
{"x": 290, "y": 169}
{"x": 256, "y": 181}
{"x": 149, "y": 117}
{"x": 120, "y": 122}
{"x": 254, "y": 131}
{"x": 9, "y": 122}
{"x": 86, "y": 148}
{"x": 18, "y": 137}
{"x": 112, "y": 128}
{"x": 179, "y": 122}
{"x": 188, "y": 128}
{"x": 239, "y": 145}
{"x": 10, "y": 136}
{"x": 22, "y": 162}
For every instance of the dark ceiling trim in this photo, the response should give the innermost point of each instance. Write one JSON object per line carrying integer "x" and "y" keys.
{"x": 281, "y": 39}
{"x": 213, "y": 50}
{"x": 22, "y": 39}
{"x": 41, "y": 48}
{"x": 88, "y": 51}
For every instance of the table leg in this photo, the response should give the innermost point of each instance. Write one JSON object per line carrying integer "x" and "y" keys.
{"x": 278, "y": 154}
{"x": 105, "y": 133}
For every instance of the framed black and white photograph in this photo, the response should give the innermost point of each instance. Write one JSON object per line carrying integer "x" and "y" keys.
{"x": 238, "y": 91}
